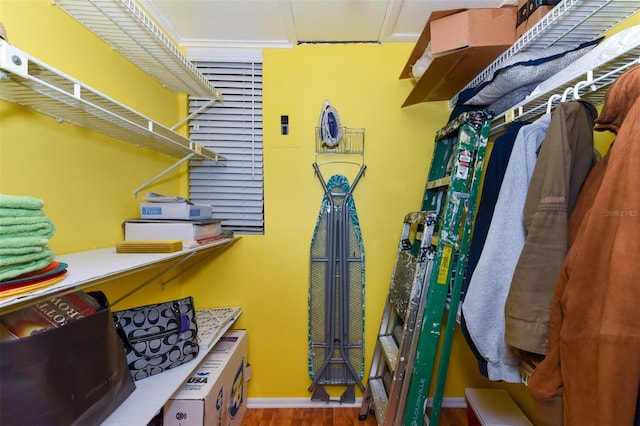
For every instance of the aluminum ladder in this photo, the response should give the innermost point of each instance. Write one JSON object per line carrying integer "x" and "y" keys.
{"x": 395, "y": 346}
{"x": 450, "y": 199}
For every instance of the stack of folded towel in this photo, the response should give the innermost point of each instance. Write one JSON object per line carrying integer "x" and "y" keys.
{"x": 24, "y": 234}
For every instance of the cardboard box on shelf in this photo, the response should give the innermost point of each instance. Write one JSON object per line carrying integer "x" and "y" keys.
{"x": 473, "y": 27}
{"x": 216, "y": 394}
{"x": 473, "y": 49}
{"x": 174, "y": 211}
{"x": 530, "y": 12}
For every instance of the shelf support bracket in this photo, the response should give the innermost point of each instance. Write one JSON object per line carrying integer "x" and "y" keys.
{"x": 193, "y": 264}
{"x": 164, "y": 271}
{"x": 195, "y": 113}
{"x": 153, "y": 278}
{"x": 159, "y": 175}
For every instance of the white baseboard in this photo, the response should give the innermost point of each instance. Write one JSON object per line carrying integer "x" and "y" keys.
{"x": 452, "y": 402}
{"x": 297, "y": 403}
{"x": 308, "y": 403}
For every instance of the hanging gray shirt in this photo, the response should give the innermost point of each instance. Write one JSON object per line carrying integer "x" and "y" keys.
{"x": 483, "y": 306}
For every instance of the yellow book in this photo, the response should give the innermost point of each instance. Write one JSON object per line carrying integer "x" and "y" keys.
{"x": 149, "y": 246}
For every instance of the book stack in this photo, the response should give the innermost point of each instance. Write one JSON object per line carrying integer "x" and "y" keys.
{"x": 47, "y": 315}
{"x": 167, "y": 218}
{"x": 191, "y": 232}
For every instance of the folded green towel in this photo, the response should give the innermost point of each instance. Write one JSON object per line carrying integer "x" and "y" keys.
{"x": 26, "y": 226}
{"x": 20, "y": 202}
{"x": 22, "y": 245}
{"x": 14, "y": 271}
{"x": 14, "y": 251}
{"x": 11, "y": 212}
{"x": 6, "y": 261}
{"x": 20, "y": 241}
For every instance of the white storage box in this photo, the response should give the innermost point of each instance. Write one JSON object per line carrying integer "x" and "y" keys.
{"x": 174, "y": 211}
{"x": 493, "y": 407}
{"x": 216, "y": 394}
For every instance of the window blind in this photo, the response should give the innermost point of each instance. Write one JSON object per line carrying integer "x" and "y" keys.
{"x": 233, "y": 129}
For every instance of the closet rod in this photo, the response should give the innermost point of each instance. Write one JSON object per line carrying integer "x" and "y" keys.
{"x": 596, "y": 81}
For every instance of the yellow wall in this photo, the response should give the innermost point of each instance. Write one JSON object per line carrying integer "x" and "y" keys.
{"x": 87, "y": 181}
{"x": 269, "y": 275}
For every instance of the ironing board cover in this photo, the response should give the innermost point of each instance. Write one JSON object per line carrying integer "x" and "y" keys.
{"x": 356, "y": 269}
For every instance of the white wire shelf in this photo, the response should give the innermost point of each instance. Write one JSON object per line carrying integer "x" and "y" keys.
{"x": 590, "y": 86}
{"x": 125, "y": 26}
{"x": 31, "y": 83}
{"x": 570, "y": 22}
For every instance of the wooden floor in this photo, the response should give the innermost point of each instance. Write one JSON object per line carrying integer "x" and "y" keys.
{"x": 332, "y": 417}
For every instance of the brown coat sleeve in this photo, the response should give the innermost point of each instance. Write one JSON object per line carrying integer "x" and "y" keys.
{"x": 593, "y": 356}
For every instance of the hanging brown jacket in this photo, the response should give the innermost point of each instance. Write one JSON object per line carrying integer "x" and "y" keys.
{"x": 592, "y": 364}
{"x": 565, "y": 159}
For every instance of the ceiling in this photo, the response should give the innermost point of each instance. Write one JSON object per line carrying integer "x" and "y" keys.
{"x": 284, "y": 23}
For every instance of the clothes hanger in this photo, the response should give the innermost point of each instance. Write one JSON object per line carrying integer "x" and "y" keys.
{"x": 552, "y": 98}
{"x": 579, "y": 85}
